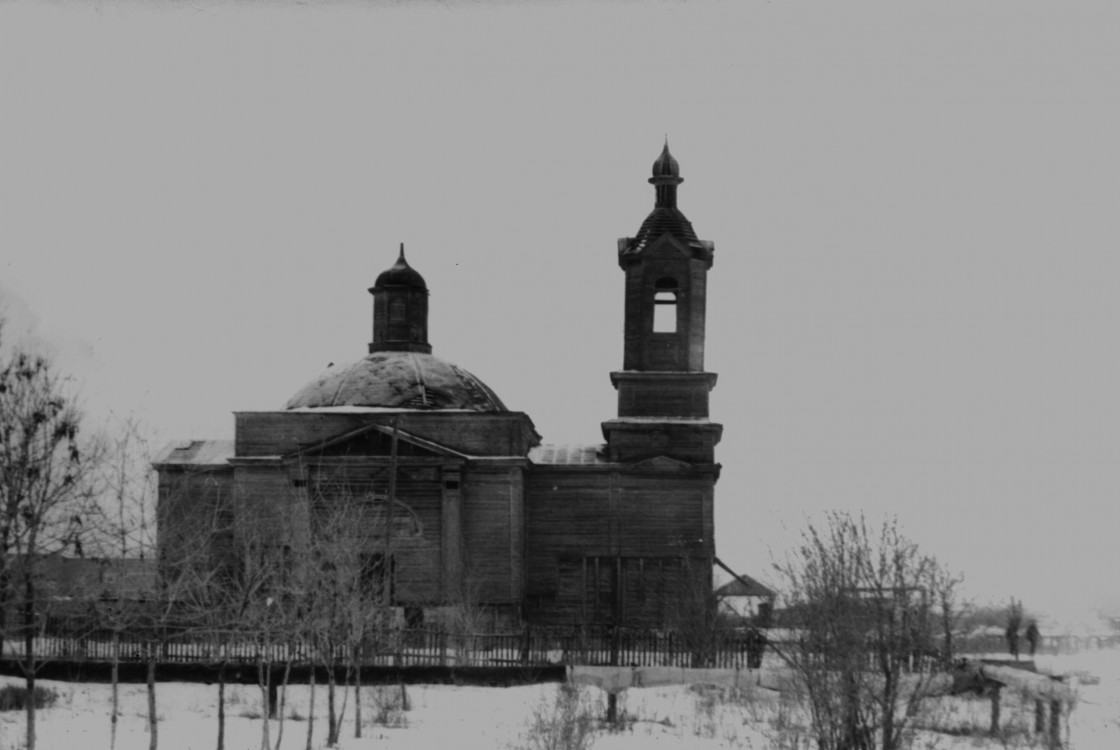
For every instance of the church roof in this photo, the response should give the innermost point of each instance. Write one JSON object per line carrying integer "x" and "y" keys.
{"x": 401, "y": 380}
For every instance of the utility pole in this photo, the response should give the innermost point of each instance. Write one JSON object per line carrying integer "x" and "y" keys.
{"x": 387, "y": 563}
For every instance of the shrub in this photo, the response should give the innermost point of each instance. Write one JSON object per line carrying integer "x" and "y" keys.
{"x": 14, "y": 697}
{"x": 567, "y": 723}
{"x": 706, "y": 712}
{"x": 390, "y": 702}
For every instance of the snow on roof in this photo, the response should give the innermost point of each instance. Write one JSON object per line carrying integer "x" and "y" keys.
{"x": 195, "y": 453}
{"x": 413, "y": 380}
{"x": 569, "y": 454}
{"x": 350, "y": 409}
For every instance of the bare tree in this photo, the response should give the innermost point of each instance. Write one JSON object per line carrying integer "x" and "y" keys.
{"x": 949, "y": 612}
{"x": 466, "y": 618}
{"x": 200, "y": 582}
{"x": 859, "y": 602}
{"x": 124, "y": 538}
{"x": 692, "y": 611}
{"x": 46, "y": 490}
{"x": 353, "y": 571}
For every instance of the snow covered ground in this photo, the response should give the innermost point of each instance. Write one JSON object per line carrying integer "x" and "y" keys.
{"x": 474, "y": 717}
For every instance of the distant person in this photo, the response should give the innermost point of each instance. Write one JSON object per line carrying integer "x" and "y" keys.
{"x": 1014, "y": 620}
{"x": 756, "y": 645}
{"x": 1032, "y": 636}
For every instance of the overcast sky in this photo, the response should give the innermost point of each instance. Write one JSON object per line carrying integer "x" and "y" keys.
{"x": 914, "y": 301}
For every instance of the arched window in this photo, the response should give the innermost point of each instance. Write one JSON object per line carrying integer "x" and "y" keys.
{"x": 665, "y": 306}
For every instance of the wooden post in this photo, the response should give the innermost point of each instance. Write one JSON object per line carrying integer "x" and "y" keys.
{"x": 993, "y": 730}
{"x": 1039, "y": 716}
{"x": 273, "y": 693}
{"x": 612, "y": 697}
{"x": 387, "y": 560}
{"x": 1055, "y": 725}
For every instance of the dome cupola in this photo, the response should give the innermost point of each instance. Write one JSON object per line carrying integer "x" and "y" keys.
{"x": 666, "y": 165}
{"x": 400, "y": 371}
{"x": 400, "y": 310}
{"x": 400, "y": 274}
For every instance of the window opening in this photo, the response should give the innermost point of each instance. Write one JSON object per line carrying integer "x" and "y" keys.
{"x": 665, "y": 312}
{"x": 665, "y": 306}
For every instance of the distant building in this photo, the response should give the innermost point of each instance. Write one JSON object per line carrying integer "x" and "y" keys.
{"x": 67, "y": 586}
{"x": 612, "y": 532}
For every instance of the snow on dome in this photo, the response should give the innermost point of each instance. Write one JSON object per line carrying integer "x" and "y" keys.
{"x": 398, "y": 380}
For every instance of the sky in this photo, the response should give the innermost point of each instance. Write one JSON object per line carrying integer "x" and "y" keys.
{"x": 914, "y": 209}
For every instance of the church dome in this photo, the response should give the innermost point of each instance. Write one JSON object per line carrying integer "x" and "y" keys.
{"x": 400, "y": 274}
{"x": 398, "y": 380}
{"x": 666, "y": 165}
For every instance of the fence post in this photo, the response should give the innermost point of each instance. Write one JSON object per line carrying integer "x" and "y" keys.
{"x": 1055, "y": 725}
{"x": 612, "y": 696}
{"x": 993, "y": 730}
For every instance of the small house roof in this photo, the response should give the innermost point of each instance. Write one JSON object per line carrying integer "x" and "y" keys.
{"x": 744, "y": 585}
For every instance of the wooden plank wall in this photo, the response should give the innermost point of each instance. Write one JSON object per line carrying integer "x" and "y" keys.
{"x": 641, "y": 534}
{"x": 491, "y": 516}
{"x": 418, "y": 560}
{"x": 192, "y": 527}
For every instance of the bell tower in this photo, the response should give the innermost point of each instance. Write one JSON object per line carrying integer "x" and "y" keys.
{"x": 662, "y": 387}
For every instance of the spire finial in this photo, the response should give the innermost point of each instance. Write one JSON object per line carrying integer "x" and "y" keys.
{"x": 402, "y": 252}
{"x": 666, "y": 177}
{"x": 665, "y": 165}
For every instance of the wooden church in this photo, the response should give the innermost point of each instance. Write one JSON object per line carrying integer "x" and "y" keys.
{"x": 457, "y": 497}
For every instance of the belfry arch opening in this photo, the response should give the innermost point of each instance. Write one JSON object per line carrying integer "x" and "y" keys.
{"x": 665, "y": 306}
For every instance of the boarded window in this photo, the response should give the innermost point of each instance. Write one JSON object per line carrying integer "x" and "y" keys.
{"x": 628, "y": 589}
{"x": 601, "y": 588}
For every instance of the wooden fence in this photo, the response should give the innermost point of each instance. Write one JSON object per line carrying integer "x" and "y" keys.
{"x": 418, "y": 647}
{"x": 1047, "y": 644}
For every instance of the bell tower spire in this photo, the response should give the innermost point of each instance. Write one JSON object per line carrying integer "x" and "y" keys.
{"x": 662, "y": 386}
{"x": 400, "y": 310}
{"x": 666, "y": 177}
